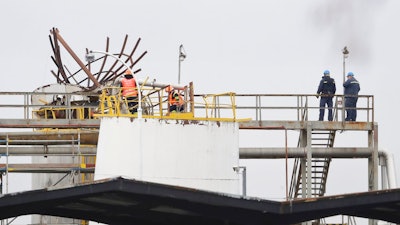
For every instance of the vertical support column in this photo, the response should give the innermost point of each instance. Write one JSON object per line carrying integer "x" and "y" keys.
{"x": 191, "y": 93}
{"x": 373, "y": 162}
{"x": 384, "y": 172}
{"x": 7, "y": 175}
{"x": 244, "y": 181}
{"x": 309, "y": 158}
{"x": 303, "y": 164}
{"x": 306, "y": 167}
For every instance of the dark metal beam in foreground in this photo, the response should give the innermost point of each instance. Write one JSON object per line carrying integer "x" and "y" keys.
{"x": 122, "y": 201}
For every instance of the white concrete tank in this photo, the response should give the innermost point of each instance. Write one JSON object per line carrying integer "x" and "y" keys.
{"x": 195, "y": 154}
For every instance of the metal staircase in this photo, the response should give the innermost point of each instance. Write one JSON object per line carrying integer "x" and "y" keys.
{"x": 319, "y": 166}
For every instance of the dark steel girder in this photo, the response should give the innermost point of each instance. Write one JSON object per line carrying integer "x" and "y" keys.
{"x": 122, "y": 201}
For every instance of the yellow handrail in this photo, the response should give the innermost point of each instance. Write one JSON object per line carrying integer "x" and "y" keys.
{"x": 155, "y": 102}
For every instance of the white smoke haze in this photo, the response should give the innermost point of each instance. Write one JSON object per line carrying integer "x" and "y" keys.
{"x": 349, "y": 23}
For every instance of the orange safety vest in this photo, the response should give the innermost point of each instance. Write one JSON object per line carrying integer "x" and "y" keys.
{"x": 175, "y": 100}
{"x": 129, "y": 87}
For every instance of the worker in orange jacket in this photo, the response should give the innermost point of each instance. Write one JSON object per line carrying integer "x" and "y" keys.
{"x": 175, "y": 100}
{"x": 129, "y": 91}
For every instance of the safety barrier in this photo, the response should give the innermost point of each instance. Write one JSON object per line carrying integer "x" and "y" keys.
{"x": 155, "y": 104}
{"x": 298, "y": 107}
{"x": 257, "y": 107}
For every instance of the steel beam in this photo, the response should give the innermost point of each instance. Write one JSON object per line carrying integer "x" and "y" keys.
{"x": 53, "y": 150}
{"x": 47, "y": 168}
{"x": 49, "y": 123}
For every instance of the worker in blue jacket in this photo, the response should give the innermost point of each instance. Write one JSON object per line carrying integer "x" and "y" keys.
{"x": 327, "y": 89}
{"x": 351, "y": 89}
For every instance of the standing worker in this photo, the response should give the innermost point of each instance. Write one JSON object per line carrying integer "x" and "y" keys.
{"x": 129, "y": 91}
{"x": 351, "y": 89}
{"x": 327, "y": 89}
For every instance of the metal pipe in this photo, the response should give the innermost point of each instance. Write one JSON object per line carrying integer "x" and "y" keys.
{"x": 390, "y": 168}
{"x": 242, "y": 169}
{"x": 160, "y": 85}
{"x": 275, "y": 153}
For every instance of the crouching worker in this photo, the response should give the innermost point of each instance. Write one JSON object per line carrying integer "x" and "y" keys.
{"x": 175, "y": 100}
{"x": 129, "y": 91}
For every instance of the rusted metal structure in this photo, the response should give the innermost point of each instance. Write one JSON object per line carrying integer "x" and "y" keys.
{"x": 86, "y": 78}
{"x": 89, "y": 75}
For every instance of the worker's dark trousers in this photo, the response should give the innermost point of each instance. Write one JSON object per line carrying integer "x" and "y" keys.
{"x": 132, "y": 102}
{"x": 176, "y": 108}
{"x": 325, "y": 101}
{"x": 351, "y": 103}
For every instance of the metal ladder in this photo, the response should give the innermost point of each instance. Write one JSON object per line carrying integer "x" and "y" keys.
{"x": 319, "y": 167}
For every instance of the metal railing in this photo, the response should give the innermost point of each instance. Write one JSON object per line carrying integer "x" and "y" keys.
{"x": 257, "y": 107}
{"x": 110, "y": 102}
{"x": 297, "y": 107}
{"x": 19, "y": 105}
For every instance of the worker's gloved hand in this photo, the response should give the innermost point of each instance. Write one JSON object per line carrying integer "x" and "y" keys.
{"x": 317, "y": 96}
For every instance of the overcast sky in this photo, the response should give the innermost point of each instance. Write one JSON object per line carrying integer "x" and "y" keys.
{"x": 271, "y": 47}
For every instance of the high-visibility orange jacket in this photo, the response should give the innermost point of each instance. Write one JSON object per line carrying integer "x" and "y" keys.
{"x": 175, "y": 98}
{"x": 128, "y": 87}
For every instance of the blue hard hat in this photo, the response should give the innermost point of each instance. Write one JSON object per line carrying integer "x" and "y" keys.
{"x": 326, "y": 72}
{"x": 350, "y": 74}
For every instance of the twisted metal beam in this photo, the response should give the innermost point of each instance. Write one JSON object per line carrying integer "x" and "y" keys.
{"x": 72, "y": 53}
{"x": 57, "y": 58}
{"x": 94, "y": 79}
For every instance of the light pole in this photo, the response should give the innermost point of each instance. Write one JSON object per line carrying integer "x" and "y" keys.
{"x": 90, "y": 58}
{"x": 182, "y": 56}
{"x": 345, "y": 55}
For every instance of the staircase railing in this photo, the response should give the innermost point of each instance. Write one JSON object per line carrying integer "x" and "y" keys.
{"x": 319, "y": 166}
